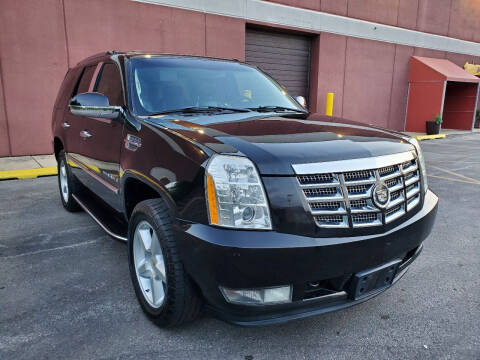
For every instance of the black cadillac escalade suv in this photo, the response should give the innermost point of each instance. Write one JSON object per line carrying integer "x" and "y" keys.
{"x": 231, "y": 196}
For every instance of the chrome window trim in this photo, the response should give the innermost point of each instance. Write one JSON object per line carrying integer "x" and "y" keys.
{"x": 353, "y": 164}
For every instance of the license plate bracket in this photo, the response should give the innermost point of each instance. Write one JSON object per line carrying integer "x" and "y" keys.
{"x": 372, "y": 280}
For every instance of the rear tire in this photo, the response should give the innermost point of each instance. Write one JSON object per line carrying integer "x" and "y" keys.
{"x": 67, "y": 184}
{"x": 163, "y": 288}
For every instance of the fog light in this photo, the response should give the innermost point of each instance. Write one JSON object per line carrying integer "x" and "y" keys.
{"x": 265, "y": 296}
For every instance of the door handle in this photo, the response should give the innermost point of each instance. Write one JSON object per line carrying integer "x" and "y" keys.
{"x": 85, "y": 134}
{"x": 66, "y": 125}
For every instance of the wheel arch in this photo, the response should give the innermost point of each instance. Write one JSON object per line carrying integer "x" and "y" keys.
{"x": 57, "y": 146}
{"x": 137, "y": 187}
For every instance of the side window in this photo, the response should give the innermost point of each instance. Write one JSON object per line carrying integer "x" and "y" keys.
{"x": 85, "y": 79}
{"x": 110, "y": 84}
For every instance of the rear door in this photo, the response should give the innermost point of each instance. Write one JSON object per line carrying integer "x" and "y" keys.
{"x": 102, "y": 139}
{"x": 60, "y": 125}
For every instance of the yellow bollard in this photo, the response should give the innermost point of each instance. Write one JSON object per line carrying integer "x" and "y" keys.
{"x": 329, "y": 105}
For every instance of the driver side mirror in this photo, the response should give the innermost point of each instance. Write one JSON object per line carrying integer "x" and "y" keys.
{"x": 301, "y": 100}
{"x": 94, "y": 105}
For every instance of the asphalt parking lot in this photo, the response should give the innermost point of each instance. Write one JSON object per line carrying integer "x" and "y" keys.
{"x": 65, "y": 291}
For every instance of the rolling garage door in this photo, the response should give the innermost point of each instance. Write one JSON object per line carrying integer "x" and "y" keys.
{"x": 284, "y": 57}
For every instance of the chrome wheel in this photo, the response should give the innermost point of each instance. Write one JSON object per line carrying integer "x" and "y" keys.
{"x": 63, "y": 181}
{"x": 149, "y": 264}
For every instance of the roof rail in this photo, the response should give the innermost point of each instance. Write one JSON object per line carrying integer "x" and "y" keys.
{"x": 92, "y": 57}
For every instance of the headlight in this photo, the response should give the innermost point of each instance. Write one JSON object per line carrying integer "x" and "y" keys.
{"x": 421, "y": 161}
{"x": 235, "y": 194}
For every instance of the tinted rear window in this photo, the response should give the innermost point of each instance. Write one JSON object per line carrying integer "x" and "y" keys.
{"x": 85, "y": 80}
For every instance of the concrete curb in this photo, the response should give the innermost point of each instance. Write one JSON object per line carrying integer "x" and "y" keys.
{"x": 27, "y": 173}
{"x": 430, "y": 137}
{"x": 27, "y": 167}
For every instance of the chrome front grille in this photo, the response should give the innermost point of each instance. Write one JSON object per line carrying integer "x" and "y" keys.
{"x": 358, "y": 204}
{"x": 327, "y": 205}
{"x": 388, "y": 170}
{"x": 342, "y": 197}
{"x": 321, "y": 192}
{"x": 321, "y": 178}
{"x": 358, "y": 175}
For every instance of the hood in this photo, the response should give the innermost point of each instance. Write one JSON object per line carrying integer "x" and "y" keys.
{"x": 275, "y": 143}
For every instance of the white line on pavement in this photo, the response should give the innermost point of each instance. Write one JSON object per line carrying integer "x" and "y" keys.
{"x": 54, "y": 249}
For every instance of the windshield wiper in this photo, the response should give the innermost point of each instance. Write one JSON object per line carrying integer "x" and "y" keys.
{"x": 274, "y": 109}
{"x": 199, "y": 109}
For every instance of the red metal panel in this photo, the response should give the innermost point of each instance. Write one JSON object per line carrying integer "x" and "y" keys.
{"x": 459, "y": 105}
{"x": 424, "y": 103}
{"x": 381, "y": 11}
{"x": 337, "y": 7}
{"x": 306, "y": 4}
{"x": 443, "y": 69}
{"x": 433, "y": 16}
{"x": 184, "y": 33}
{"x": 330, "y": 61}
{"x": 314, "y": 94}
{"x": 427, "y": 79}
{"x": 95, "y": 26}
{"x": 34, "y": 62}
{"x": 4, "y": 140}
{"x": 429, "y": 53}
{"x": 458, "y": 120}
{"x": 420, "y": 72}
{"x": 368, "y": 81}
{"x": 407, "y": 14}
{"x": 398, "y": 101}
{"x": 225, "y": 37}
{"x": 458, "y": 59}
{"x": 465, "y": 20}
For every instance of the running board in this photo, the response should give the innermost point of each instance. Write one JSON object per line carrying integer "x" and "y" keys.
{"x": 100, "y": 213}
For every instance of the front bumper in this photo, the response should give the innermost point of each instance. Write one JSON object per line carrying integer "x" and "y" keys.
{"x": 239, "y": 259}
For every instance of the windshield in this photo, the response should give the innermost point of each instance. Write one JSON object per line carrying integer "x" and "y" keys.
{"x": 165, "y": 83}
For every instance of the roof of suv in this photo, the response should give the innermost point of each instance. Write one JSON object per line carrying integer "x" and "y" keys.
{"x": 133, "y": 53}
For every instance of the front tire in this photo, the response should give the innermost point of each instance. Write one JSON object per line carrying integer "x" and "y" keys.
{"x": 163, "y": 288}
{"x": 67, "y": 184}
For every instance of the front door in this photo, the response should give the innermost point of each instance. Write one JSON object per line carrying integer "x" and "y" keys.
{"x": 102, "y": 140}
{"x": 74, "y": 124}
